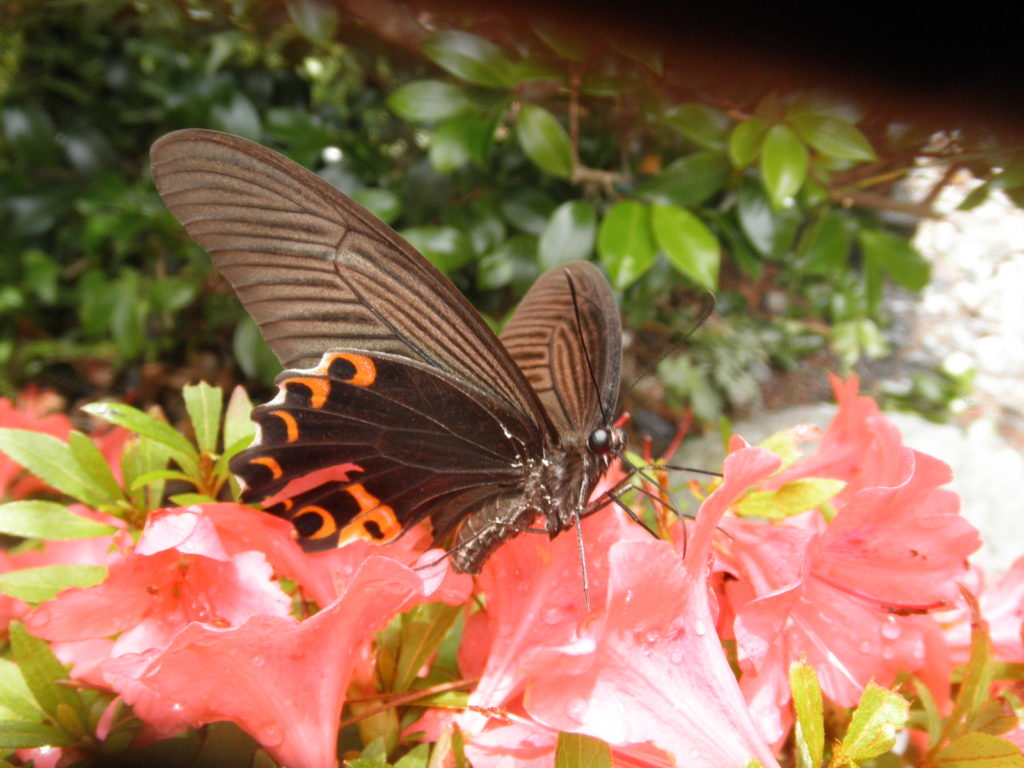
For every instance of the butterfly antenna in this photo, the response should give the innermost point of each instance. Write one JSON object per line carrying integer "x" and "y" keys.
{"x": 710, "y": 302}
{"x": 583, "y": 346}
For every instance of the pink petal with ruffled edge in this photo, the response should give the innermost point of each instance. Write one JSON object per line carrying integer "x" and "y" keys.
{"x": 282, "y": 681}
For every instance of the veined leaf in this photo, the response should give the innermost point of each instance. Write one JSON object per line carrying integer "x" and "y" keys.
{"x": 625, "y": 242}
{"x": 34, "y": 585}
{"x": 544, "y": 141}
{"x": 204, "y": 405}
{"x": 51, "y": 461}
{"x": 37, "y": 519}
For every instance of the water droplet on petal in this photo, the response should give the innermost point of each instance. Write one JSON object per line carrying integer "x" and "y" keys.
{"x": 865, "y": 646}
{"x": 258, "y": 661}
{"x": 553, "y": 615}
{"x": 271, "y": 735}
{"x": 699, "y": 628}
{"x": 890, "y": 629}
{"x": 576, "y": 708}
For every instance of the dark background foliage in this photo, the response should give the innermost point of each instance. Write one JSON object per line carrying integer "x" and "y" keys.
{"x": 686, "y": 151}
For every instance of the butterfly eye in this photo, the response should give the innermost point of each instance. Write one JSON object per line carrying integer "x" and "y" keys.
{"x": 600, "y": 441}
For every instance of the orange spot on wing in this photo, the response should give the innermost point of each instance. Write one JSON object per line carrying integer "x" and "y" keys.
{"x": 270, "y": 464}
{"x": 327, "y": 524}
{"x": 319, "y": 388}
{"x": 366, "y": 370}
{"x": 290, "y": 424}
{"x": 376, "y": 522}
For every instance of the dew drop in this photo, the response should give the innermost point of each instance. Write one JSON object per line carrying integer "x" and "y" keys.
{"x": 865, "y": 646}
{"x": 271, "y": 735}
{"x": 576, "y": 708}
{"x": 699, "y": 628}
{"x": 258, "y": 661}
{"x": 890, "y": 629}
{"x": 677, "y": 656}
{"x": 888, "y": 653}
{"x": 177, "y": 706}
{"x": 553, "y": 615}
{"x": 629, "y": 596}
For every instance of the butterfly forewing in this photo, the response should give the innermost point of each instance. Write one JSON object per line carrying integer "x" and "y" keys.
{"x": 317, "y": 271}
{"x": 567, "y": 320}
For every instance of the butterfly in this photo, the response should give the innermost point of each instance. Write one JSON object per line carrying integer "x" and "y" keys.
{"x": 397, "y": 403}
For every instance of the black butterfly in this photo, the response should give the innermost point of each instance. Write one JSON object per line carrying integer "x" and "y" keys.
{"x": 398, "y": 402}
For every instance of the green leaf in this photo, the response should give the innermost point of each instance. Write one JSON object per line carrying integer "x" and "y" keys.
{"x": 978, "y": 750}
{"x": 15, "y": 697}
{"x": 93, "y": 464}
{"x": 688, "y": 244}
{"x": 745, "y": 142}
{"x": 34, "y": 585}
{"x": 771, "y": 232}
{"x": 528, "y": 209}
{"x": 687, "y": 182}
{"x": 233, "y": 449}
{"x": 237, "y": 419}
{"x": 141, "y": 456}
{"x": 317, "y": 20}
{"x": 188, "y": 499}
{"x": 977, "y": 679}
{"x": 701, "y": 124}
{"x": 204, "y": 405}
{"x": 810, "y": 718}
{"x": 896, "y": 257}
{"x": 36, "y": 519}
{"x": 833, "y": 136}
{"x": 417, "y": 757}
{"x": 625, "y": 242}
{"x": 423, "y": 629}
{"x": 180, "y": 449}
{"x": 252, "y": 352}
{"x": 460, "y": 140}
{"x": 470, "y": 57}
{"x": 43, "y": 674}
{"x": 784, "y": 163}
{"x": 574, "y": 750}
{"x": 446, "y": 248}
{"x": 428, "y": 101}
{"x": 824, "y": 246}
{"x": 792, "y": 498}
{"x": 567, "y": 43}
{"x": 569, "y": 234}
{"x": 51, "y": 461}
{"x": 31, "y": 735}
{"x": 514, "y": 262}
{"x": 382, "y": 203}
{"x": 880, "y": 713}
{"x": 544, "y": 141}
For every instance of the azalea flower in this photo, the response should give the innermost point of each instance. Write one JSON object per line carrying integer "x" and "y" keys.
{"x": 1002, "y": 606}
{"x": 644, "y": 670}
{"x": 204, "y": 631}
{"x": 839, "y": 594}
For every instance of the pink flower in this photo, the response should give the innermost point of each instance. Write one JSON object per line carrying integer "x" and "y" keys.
{"x": 205, "y": 633}
{"x": 282, "y": 680}
{"x": 181, "y": 571}
{"x": 1002, "y": 606}
{"x": 838, "y": 594}
{"x": 645, "y": 668}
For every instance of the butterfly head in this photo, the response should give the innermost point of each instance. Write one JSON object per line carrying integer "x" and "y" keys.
{"x": 606, "y": 441}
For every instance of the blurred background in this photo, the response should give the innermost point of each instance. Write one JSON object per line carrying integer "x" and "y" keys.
{"x": 813, "y": 171}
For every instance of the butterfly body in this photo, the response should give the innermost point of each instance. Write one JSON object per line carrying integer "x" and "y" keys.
{"x": 398, "y": 403}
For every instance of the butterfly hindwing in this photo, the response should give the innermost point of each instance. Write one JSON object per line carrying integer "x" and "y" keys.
{"x": 363, "y": 445}
{"x": 566, "y": 327}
